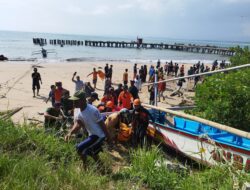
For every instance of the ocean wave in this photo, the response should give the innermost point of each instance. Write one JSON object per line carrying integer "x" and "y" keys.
{"x": 94, "y": 59}
{"x": 23, "y": 59}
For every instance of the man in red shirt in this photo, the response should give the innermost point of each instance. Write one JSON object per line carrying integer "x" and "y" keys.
{"x": 161, "y": 89}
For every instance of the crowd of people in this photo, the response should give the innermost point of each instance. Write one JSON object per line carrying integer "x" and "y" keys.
{"x": 85, "y": 108}
{"x": 80, "y": 107}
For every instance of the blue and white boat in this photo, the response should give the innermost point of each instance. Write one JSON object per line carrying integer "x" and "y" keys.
{"x": 203, "y": 143}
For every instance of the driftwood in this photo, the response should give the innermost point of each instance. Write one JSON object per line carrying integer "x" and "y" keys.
{"x": 34, "y": 120}
{"x": 204, "y": 121}
{"x": 9, "y": 113}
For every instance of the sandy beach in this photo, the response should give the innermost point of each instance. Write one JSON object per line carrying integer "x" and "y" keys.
{"x": 16, "y": 84}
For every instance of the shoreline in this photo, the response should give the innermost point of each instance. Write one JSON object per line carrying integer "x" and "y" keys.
{"x": 20, "y": 60}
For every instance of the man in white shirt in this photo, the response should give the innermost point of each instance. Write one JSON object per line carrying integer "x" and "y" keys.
{"x": 79, "y": 83}
{"x": 90, "y": 118}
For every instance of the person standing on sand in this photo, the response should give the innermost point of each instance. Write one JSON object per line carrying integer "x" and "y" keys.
{"x": 135, "y": 70}
{"x": 125, "y": 77}
{"x": 161, "y": 88}
{"x": 110, "y": 72}
{"x": 106, "y": 70}
{"x": 79, "y": 83}
{"x": 94, "y": 73}
{"x": 158, "y": 64}
{"x": 36, "y": 79}
{"x": 151, "y": 73}
{"x": 138, "y": 83}
{"x": 182, "y": 71}
{"x": 133, "y": 90}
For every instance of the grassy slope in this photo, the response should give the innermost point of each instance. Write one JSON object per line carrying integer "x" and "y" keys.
{"x": 29, "y": 159}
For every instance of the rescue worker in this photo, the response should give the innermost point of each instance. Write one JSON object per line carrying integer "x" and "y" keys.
{"x": 125, "y": 98}
{"x": 140, "y": 121}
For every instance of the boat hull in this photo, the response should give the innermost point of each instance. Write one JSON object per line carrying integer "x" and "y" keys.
{"x": 200, "y": 148}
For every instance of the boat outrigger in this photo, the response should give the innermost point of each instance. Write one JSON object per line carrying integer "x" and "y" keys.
{"x": 204, "y": 141}
{"x": 44, "y": 52}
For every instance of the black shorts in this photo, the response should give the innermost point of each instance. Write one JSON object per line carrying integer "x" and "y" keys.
{"x": 35, "y": 85}
{"x": 94, "y": 81}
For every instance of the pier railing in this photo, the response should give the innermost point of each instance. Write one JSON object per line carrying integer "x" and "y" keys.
{"x": 178, "y": 47}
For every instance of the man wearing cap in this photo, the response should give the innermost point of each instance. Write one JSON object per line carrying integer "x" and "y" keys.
{"x": 93, "y": 97}
{"x": 125, "y": 98}
{"x": 140, "y": 121}
{"x": 90, "y": 118}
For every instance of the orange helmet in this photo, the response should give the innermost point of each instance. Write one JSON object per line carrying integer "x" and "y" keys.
{"x": 137, "y": 102}
{"x": 101, "y": 108}
{"x": 109, "y": 104}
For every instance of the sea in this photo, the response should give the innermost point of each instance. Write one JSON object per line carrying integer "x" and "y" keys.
{"x": 18, "y": 46}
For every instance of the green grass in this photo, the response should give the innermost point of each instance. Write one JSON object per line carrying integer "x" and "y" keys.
{"x": 147, "y": 167}
{"x": 31, "y": 159}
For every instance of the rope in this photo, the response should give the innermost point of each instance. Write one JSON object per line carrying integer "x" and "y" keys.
{"x": 200, "y": 74}
{"x": 20, "y": 78}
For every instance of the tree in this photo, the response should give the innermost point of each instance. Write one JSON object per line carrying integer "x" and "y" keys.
{"x": 225, "y": 97}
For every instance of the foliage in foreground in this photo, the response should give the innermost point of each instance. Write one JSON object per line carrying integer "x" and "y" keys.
{"x": 225, "y": 97}
{"x": 148, "y": 167}
{"x": 30, "y": 159}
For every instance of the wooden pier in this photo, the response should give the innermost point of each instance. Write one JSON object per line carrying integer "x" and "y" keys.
{"x": 42, "y": 42}
{"x": 139, "y": 45}
{"x": 178, "y": 47}
{"x": 66, "y": 42}
{"x": 39, "y": 41}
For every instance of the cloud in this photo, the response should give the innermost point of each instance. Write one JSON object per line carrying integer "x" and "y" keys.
{"x": 202, "y": 19}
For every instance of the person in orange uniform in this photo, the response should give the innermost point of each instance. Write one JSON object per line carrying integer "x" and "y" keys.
{"x": 125, "y": 98}
{"x": 108, "y": 97}
{"x": 110, "y": 107}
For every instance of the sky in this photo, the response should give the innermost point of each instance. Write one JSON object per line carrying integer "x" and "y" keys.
{"x": 222, "y": 20}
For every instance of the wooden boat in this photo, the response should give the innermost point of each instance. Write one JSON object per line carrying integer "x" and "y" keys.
{"x": 44, "y": 52}
{"x": 201, "y": 142}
